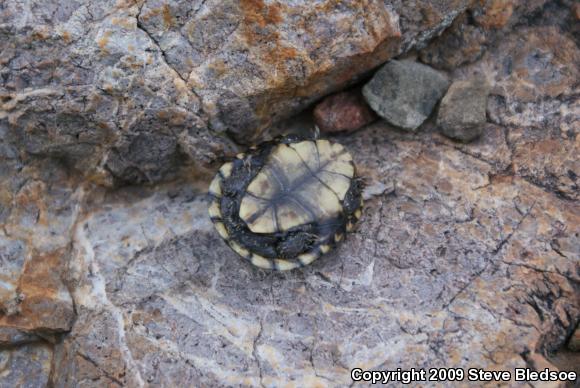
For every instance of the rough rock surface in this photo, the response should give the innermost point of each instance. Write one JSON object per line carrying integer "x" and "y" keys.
{"x": 478, "y": 28}
{"x": 26, "y": 366}
{"x": 133, "y": 89}
{"x": 536, "y": 96}
{"x": 467, "y": 254}
{"x": 38, "y": 208}
{"x": 574, "y": 342}
{"x": 462, "y": 112}
{"x": 405, "y": 92}
{"x": 343, "y": 112}
{"x": 415, "y": 286}
{"x": 462, "y": 43}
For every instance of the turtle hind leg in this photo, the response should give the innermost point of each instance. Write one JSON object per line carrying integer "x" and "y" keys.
{"x": 294, "y": 244}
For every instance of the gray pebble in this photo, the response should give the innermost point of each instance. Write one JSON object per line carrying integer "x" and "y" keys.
{"x": 405, "y": 92}
{"x": 462, "y": 111}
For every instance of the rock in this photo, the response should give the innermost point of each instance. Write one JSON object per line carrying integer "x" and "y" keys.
{"x": 574, "y": 341}
{"x": 493, "y": 16}
{"x": 472, "y": 32}
{"x": 254, "y": 62}
{"x": 139, "y": 89}
{"x": 466, "y": 254}
{"x": 491, "y": 147}
{"x": 40, "y": 309}
{"x": 461, "y": 44}
{"x": 288, "y": 58}
{"x": 10, "y": 337}
{"x": 346, "y": 111}
{"x": 550, "y": 75}
{"x": 435, "y": 246}
{"x": 462, "y": 111}
{"x": 495, "y": 13}
{"x": 533, "y": 96}
{"x": 539, "y": 363}
{"x": 566, "y": 360}
{"x": 38, "y": 207}
{"x": 26, "y": 366}
{"x": 405, "y": 92}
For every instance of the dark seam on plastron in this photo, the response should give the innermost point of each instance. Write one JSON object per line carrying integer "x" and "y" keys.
{"x": 275, "y": 217}
{"x": 256, "y": 197}
{"x": 261, "y": 212}
{"x": 317, "y": 153}
{"x": 314, "y": 175}
{"x": 304, "y": 207}
{"x": 337, "y": 173}
{"x": 257, "y": 215}
{"x": 277, "y": 174}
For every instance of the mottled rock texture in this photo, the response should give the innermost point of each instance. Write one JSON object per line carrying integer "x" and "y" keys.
{"x": 405, "y": 93}
{"x": 38, "y": 209}
{"x": 26, "y": 366}
{"x": 467, "y": 255}
{"x": 460, "y": 264}
{"x": 478, "y": 28}
{"x": 574, "y": 342}
{"x": 462, "y": 112}
{"x": 536, "y": 96}
{"x": 132, "y": 89}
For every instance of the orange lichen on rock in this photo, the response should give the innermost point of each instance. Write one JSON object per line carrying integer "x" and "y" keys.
{"x": 124, "y": 22}
{"x": 167, "y": 18}
{"x": 257, "y": 12}
{"x": 164, "y": 12}
{"x": 40, "y": 34}
{"x": 42, "y": 301}
{"x": 260, "y": 27}
{"x": 496, "y": 14}
{"x": 66, "y": 36}
{"x": 277, "y": 54}
{"x": 173, "y": 116}
{"x": 104, "y": 40}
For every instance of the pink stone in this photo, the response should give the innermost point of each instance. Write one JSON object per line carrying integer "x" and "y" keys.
{"x": 345, "y": 111}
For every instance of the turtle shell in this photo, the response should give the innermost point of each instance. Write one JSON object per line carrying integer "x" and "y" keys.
{"x": 286, "y": 202}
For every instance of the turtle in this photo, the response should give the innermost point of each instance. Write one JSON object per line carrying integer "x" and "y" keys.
{"x": 287, "y": 201}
